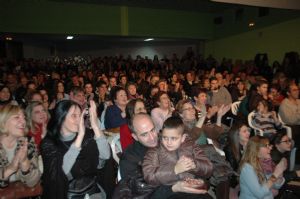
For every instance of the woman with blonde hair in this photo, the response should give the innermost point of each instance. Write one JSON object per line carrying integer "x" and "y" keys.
{"x": 37, "y": 118}
{"x": 18, "y": 154}
{"x": 259, "y": 177}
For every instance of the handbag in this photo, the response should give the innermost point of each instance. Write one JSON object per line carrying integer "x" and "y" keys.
{"x": 79, "y": 187}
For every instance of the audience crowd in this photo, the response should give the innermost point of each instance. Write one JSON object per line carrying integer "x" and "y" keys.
{"x": 182, "y": 127}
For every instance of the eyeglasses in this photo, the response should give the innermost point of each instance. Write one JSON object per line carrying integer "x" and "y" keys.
{"x": 268, "y": 145}
{"x": 188, "y": 109}
{"x": 286, "y": 141}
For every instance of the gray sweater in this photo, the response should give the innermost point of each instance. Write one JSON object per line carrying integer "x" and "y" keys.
{"x": 289, "y": 112}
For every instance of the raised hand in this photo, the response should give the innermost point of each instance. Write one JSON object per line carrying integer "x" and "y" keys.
{"x": 280, "y": 167}
{"x": 223, "y": 110}
{"x": 94, "y": 119}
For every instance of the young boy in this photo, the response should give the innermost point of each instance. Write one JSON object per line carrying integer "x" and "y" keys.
{"x": 175, "y": 158}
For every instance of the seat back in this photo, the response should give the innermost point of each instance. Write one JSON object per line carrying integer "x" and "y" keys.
{"x": 251, "y": 124}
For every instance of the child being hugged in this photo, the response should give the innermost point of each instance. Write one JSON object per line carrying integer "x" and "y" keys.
{"x": 176, "y": 158}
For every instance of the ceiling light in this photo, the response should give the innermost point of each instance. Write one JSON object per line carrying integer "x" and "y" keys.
{"x": 251, "y": 24}
{"x": 70, "y": 37}
{"x": 8, "y": 38}
{"x": 149, "y": 39}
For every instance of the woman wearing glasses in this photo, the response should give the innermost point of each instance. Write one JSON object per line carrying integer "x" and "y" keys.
{"x": 259, "y": 177}
{"x": 282, "y": 148}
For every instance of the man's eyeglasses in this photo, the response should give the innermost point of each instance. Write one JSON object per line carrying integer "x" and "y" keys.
{"x": 286, "y": 141}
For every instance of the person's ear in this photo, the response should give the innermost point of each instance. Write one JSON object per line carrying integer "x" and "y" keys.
{"x": 183, "y": 138}
{"x": 134, "y": 136}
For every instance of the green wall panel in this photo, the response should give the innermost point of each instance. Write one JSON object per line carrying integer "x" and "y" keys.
{"x": 275, "y": 40}
{"x": 168, "y": 23}
{"x": 42, "y": 16}
{"x": 32, "y": 16}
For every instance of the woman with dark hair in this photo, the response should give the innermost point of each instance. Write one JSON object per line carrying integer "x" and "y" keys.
{"x": 58, "y": 93}
{"x": 282, "y": 149}
{"x": 133, "y": 107}
{"x": 72, "y": 153}
{"x": 6, "y": 96}
{"x": 238, "y": 136}
{"x": 115, "y": 115}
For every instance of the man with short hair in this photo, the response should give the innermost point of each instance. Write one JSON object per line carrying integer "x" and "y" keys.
{"x": 260, "y": 94}
{"x": 145, "y": 136}
{"x": 77, "y": 95}
{"x": 218, "y": 95}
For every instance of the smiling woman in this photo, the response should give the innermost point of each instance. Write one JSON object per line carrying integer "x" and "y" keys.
{"x": 18, "y": 155}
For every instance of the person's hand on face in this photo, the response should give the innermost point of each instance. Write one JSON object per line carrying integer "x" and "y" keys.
{"x": 184, "y": 164}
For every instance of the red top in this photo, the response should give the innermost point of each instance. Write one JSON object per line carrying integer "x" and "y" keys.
{"x": 125, "y": 136}
{"x": 37, "y": 135}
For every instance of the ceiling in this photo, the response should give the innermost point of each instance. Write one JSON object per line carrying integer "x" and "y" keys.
{"x": 190, "y": 5}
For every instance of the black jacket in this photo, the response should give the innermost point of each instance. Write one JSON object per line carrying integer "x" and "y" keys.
{"x": 55, "y": 182}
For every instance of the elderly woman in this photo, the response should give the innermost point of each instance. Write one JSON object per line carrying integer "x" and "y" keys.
{"x": 18, "y": 154}
{"x": 72, "y": 153}
{"x": 37, "y": 118}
